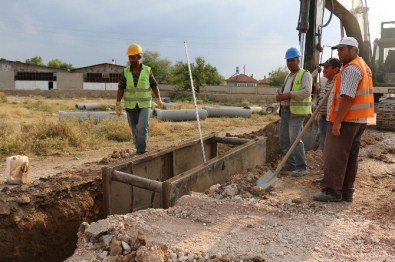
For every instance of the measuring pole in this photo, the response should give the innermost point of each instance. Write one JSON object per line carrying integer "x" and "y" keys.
{"x": 194, "y": 101}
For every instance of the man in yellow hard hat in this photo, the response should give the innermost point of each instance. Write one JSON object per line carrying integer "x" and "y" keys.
{"x": 135, "y": 87}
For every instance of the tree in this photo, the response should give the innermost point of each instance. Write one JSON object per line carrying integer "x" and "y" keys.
{"x": 202, "y": 74}
{"x": 179, "y": 75}
{"x": 56, "y": 63}
{"x": 278, "y": 76}
{"x": 36, "y": 60}
{"x": 160, "y": 67}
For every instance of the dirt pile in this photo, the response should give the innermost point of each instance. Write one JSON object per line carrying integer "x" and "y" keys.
{"x": 238, "y": 221}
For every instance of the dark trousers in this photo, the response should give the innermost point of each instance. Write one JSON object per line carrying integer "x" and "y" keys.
{"x": 341, "y": 158}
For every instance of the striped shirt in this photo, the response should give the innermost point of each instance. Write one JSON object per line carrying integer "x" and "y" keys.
{"x": 323, "y": 91}
{"x": 351, "y": 76}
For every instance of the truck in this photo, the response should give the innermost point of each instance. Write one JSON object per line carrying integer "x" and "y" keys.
{"x": 354, "y": 22}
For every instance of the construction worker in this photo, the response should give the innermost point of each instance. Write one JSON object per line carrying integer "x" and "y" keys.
{"x": 295, "y": 105}
{"x": 351, "y": 103}
{"x": 331, "y": 68}
{"x": 135, "y": 87}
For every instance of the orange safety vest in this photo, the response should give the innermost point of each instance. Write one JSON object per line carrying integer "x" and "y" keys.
{"x": 363, "y": 102}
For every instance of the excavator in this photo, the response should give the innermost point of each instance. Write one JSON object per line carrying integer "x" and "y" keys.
{"x": 353, "y": 16}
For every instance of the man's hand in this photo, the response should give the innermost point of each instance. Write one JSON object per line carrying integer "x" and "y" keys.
{"x": 118, "y": 108}
{"x": 282, "y": 97}
{"x": 336, "y": 129}
{"x": 159, "y": 103}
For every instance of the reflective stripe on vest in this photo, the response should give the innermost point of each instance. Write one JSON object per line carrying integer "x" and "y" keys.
{"x": 363, "y": 103}
{"x": 138, "y": 95}
{"x": 299, "y": 107}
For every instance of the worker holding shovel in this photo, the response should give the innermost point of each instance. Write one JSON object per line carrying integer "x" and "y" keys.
{"x": 295, "y": 105}
{"x": 135, "y": 87}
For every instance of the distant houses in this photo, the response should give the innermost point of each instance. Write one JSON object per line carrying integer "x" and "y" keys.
{"x": 247, "y": 81}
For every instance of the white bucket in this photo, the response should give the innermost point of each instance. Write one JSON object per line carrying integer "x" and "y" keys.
{"x": 17, "y": 170}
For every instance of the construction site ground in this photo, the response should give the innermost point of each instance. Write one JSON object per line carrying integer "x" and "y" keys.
{"x": 236, "y": 221}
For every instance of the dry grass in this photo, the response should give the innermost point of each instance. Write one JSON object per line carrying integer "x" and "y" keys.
{"x": 30, "y": 125}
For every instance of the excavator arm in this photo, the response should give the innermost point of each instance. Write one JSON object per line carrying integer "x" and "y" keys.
{"x": 353, "y": 16}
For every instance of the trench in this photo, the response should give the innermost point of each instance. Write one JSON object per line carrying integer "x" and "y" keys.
{"x": 40, "y": 223}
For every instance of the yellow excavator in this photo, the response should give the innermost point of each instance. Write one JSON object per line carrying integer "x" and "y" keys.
{"x": 354, "y": 21}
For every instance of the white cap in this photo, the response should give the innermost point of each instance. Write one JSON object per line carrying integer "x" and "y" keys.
{"x": 350, "y": 41}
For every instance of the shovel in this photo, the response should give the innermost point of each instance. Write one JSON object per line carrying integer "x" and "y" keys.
{"x": 270, "y": 177}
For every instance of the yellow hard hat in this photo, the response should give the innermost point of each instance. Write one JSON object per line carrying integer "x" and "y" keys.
{"x": 134, "y": 49}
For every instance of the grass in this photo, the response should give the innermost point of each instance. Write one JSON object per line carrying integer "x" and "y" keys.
{"x": 31, "y": 126}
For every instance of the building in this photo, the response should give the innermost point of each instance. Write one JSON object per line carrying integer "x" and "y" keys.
{"x": 18, "y": 75}
{"x": 265, "y": 82}
{"x": 241, "y": 80}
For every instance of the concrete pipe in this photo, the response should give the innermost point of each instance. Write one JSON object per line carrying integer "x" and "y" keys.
{"x": 165, "y": 105}
{"x": 179, "y": 115}
{"x": 256, "y": 109}
{"x": 170, "y": 105}
{"x": 88, "y": 106}
{"x": 96, "y": 116}
{"x": 228, "y": 111}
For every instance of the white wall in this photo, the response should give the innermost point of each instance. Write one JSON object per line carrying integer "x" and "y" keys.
{"x": 100, "y": 86}
{"x": 31, "y": 85}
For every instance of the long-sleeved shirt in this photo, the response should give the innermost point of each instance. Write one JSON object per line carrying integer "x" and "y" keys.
{"x": 307, "y": 81}
{"x": 323, "y": 91}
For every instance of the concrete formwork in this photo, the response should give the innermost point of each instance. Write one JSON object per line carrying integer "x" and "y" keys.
{"x": 158, "y": 179}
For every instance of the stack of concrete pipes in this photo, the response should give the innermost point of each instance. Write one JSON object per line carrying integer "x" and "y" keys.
{"x": 162, "y": 115}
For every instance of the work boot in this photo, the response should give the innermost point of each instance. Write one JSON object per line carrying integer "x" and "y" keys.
{"x": 347, "y": 198}
{"x": 287, "y": 169}
{"x": 300, "y": 172}
{"x": 325, "y": 197}
{"x": 347, "y": 194}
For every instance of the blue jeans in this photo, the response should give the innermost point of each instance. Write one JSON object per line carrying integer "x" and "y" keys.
{"x": 290, "y": 128}
{"x": 138, "y": 120}
{"x": 323, "y": 125}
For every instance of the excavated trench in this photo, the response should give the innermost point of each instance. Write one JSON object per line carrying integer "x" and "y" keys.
{"x": 39, "y": 221}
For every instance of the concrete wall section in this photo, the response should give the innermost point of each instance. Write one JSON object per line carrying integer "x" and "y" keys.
{"x": 243, "y": 90}
{"x": 267, "y": 90}
{"x": 7, "y": 80}
{"x": 70, "y": 80}
{"x": 32, "y": 85}
{"x": 100, "y": 86}
{"x": 216, "y": 89}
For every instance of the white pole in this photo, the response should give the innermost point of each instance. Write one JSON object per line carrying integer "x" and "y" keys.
{"x": 194, "y": 101}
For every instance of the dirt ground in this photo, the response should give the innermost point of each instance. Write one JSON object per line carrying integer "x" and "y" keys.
{"x": 236, "y": 221}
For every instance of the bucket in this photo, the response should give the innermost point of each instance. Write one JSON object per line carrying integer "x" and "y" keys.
{"x": 17, "y": 170}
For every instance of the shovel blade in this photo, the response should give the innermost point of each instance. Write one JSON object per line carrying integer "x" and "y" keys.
{"x": 267, "y": 180}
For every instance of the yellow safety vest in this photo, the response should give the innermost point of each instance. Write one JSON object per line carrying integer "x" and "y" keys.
{"x": 299, "y": 107}
{"x": 139, "y": 95}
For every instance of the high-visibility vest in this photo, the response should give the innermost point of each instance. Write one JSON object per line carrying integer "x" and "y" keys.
{"x": 363, "y": 103}
{"x": 299, "y": 107}
{"x": 138, "y": 95}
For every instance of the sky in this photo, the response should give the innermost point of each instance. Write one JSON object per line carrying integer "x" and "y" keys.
{"x": 250, "y": 34}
